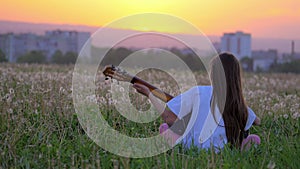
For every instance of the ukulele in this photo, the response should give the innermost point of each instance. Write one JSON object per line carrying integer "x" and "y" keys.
{"x": 121, "y": 75}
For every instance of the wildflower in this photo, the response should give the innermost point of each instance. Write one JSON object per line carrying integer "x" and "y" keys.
{"x": 122, "y": 89}
{"x": 296, "y": 115}
{"x": 91, "y": 98}
{"x": 101, "y": 100}
{"x": 108, "y": 95}
{"x": 11, "y": 91}
{"x": 8, "y": 98}
{"x": 285, "y": 116}
{"x": 61, "y": 90}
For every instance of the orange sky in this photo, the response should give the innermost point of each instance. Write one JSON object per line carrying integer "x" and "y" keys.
{"x": 274, "y": 18}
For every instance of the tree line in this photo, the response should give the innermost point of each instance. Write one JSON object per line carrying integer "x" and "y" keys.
{"x": 289, "y": 67}
{"x": 39, "y": 57}
{"x": 116, "y": 55}
{"x": 293, "y": 66}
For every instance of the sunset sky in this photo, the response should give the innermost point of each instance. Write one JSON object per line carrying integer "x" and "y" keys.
{"x": 274, "y": 18}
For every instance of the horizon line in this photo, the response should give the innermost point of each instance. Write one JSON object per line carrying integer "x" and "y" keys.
{"x": 99, "y": 27}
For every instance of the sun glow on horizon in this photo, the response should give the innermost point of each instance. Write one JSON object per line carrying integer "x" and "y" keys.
{"x": 211, "y": 17}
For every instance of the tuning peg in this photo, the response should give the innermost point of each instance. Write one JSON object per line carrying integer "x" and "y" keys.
{"x": 113, "y": 67}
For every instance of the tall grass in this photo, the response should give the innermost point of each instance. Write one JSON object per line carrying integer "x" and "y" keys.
{"x": 39, "y": 127}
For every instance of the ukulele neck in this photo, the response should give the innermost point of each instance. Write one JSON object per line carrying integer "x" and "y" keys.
{"x": 165, "y": 97}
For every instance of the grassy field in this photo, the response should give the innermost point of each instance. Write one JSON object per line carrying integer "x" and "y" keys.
{"x": 39, "y": 127}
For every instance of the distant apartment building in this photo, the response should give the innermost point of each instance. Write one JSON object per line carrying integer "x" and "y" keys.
{"x": 16, "y": 45}
{"x": 66, "y": 41}
{"x": 238, "y": 43}
{"x": 6, "y": 45}
{"x": 262, "y": 60}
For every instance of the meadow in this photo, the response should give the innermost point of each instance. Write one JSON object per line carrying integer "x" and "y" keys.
{"x": 39, "y": 127}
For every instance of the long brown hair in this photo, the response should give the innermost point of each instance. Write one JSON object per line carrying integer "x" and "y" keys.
{"x": 229, "y": 97}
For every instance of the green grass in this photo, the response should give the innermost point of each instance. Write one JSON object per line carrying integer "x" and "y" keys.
{"x": 39, "y": 129}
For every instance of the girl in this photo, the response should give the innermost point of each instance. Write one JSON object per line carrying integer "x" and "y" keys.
{"x": 220, "y": 98}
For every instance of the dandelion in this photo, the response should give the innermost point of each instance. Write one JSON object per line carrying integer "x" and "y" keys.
{"x": 101, "y": 100}
{"x": 8, "y": 98}
{"x": 292, "y": 109}
{"x": 108, "y": 95}
{"x": 296, "y": 115}
{"x": 11, "y": 91}
{"x": 91, "y": 98}
{"x": 61, "y": 90}
{"x": 122, "y": 89}
{"x": 10, "y": 111}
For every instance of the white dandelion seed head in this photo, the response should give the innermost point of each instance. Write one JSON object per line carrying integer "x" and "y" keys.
{"x": 121, "y": 89}
{"x": 11, "y": 91}
{"x": 296, "y": 115}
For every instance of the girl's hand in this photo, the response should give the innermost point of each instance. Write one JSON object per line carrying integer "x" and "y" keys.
{"x": 141, "y": 89}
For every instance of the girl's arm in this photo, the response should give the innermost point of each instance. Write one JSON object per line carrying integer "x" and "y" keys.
{"x": 168, "y": 116}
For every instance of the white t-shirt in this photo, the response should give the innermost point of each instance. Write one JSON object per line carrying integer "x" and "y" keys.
{"x": 202, "y": 130}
